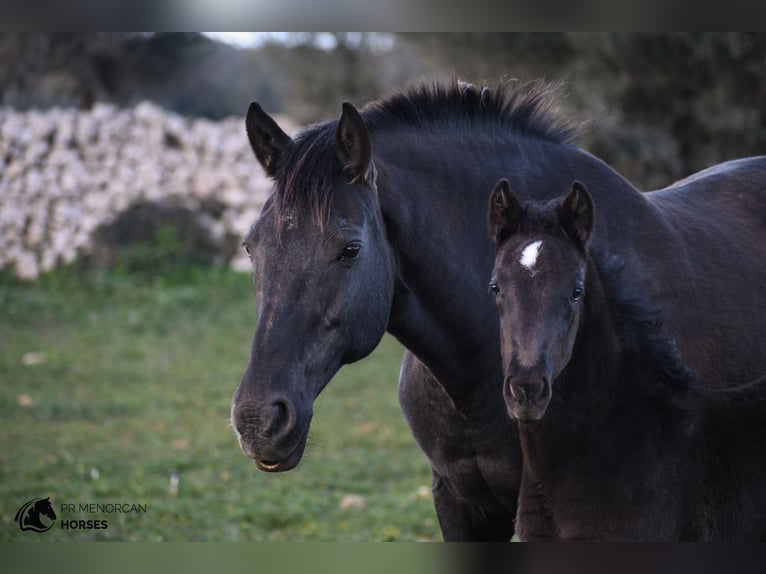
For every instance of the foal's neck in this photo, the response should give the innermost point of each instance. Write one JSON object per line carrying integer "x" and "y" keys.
{"x": 605, "y": 373}
{"x": 620, "y": 378}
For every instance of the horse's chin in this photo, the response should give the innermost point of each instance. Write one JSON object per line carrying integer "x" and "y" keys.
{"x": 283, "y": 465}
{"x": 289, "y": 462}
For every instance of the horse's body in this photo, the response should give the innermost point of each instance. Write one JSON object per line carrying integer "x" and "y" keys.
{"x": 620, "y": 440}
{"x": 378, "y": 222}
{"x": 715, "y": 238}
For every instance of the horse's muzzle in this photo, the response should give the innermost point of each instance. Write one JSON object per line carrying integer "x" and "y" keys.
{"x": 274, "y": 440}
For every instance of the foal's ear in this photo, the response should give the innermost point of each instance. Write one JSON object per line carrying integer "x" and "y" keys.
{"x": 504, "y": 212}
{"x": 266, "y": 138}
{"x": 577, "y": 215}
{"x": 352, "y": 145}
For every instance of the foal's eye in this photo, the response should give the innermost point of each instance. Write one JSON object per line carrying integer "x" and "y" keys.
{"x": 350, "y": 252}
{"x": 576, "y": 294}
{"x": 493, "y": 287}
{"x": 247, "y": 249}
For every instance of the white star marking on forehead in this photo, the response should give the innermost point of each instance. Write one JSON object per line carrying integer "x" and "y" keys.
{"x": 529, "y": 255}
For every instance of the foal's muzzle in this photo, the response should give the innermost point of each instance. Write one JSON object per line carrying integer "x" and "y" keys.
{"x": 527, "y": 400}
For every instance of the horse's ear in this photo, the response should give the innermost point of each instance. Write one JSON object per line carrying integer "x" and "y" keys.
{"x": 577, "y": 215}
{"x": 352, "y": 144}
{"x": 504, "y": 212}
{"x": 266, "y": 138}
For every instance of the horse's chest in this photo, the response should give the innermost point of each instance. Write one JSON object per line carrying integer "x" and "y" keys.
{"x": 487, "y": 483}
{"x": 476, "y": 459}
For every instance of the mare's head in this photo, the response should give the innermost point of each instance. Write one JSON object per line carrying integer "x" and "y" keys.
{"x": 323, "y": 277}
{"x": 539, "y": 286}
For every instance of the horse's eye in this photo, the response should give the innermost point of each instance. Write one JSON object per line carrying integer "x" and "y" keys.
{"x": 494, "y": 288}
{"x": 349, "y": 252}
{"x": 247, "y": 248}
{"x": 576, "y": 294}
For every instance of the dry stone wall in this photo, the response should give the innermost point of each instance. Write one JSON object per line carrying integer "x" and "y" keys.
{"x": 65, "y": 172}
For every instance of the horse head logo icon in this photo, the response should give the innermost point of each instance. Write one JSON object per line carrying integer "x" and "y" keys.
{"x": 30, "y": 516}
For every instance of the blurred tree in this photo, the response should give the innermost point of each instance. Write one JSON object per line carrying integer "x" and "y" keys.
{"x": 316, "y": 79}
{"x": 493, "y": 56}
{"x": 188, "y": 73}
{"x": 704, "y": 89}
{"x": 46, "y": 69}
{"x": 658, "y": 105}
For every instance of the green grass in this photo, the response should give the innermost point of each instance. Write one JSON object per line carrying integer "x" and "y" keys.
{"x": 135, "y": 385}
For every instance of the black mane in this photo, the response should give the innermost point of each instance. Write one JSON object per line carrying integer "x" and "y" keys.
{"x": 306, "y": 173}
{"x": 641, "y": 330}
{"x": 526, "y": 109}
{"x": 308, "y": 167}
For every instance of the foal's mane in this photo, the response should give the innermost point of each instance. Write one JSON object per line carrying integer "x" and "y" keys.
{"x": 641, "y": 329}
{"x": 308, "y": 168}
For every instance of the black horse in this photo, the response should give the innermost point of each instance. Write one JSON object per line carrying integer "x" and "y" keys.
{"x": 378, "y": 222}
{"x": 619, "y": 440}
{"x": 28, "y": 516}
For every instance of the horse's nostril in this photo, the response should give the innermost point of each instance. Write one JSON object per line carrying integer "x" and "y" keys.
{"x": 278, "y": 414}
{"x": 273, "y": 421}
{"x": 281, "y": 419}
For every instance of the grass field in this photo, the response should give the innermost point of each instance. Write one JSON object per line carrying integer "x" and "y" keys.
{"x": 116, "y": 389}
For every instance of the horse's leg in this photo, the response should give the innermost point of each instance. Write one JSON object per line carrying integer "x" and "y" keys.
{"x": 440, "y": 430}
{"x": 461, "y": 521}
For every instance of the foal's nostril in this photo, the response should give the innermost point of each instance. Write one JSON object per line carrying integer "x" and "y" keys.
{"x": 527, "y": 392}
{"x": 523, "y": 393}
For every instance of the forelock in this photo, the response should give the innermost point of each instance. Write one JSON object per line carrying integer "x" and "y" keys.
{"x": 307, "y": 174}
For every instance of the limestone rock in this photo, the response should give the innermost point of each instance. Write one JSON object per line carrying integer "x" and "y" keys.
{"x": 65, "y": 172}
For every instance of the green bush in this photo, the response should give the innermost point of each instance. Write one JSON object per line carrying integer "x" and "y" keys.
{"x": 153, "y": 239}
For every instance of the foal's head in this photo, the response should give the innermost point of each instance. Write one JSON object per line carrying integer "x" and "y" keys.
{"x": 539, "y": 286}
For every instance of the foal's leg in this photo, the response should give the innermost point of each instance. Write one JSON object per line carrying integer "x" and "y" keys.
{"x": 441, "y": 431}
{"x": 534, "y": 521}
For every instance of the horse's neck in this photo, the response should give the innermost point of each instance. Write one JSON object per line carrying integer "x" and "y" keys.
{"x": 435, "y": 214}
{"x": 574, "y": 432}
{"x": 433, "y": 194}
{"x": 588, "y": 382}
